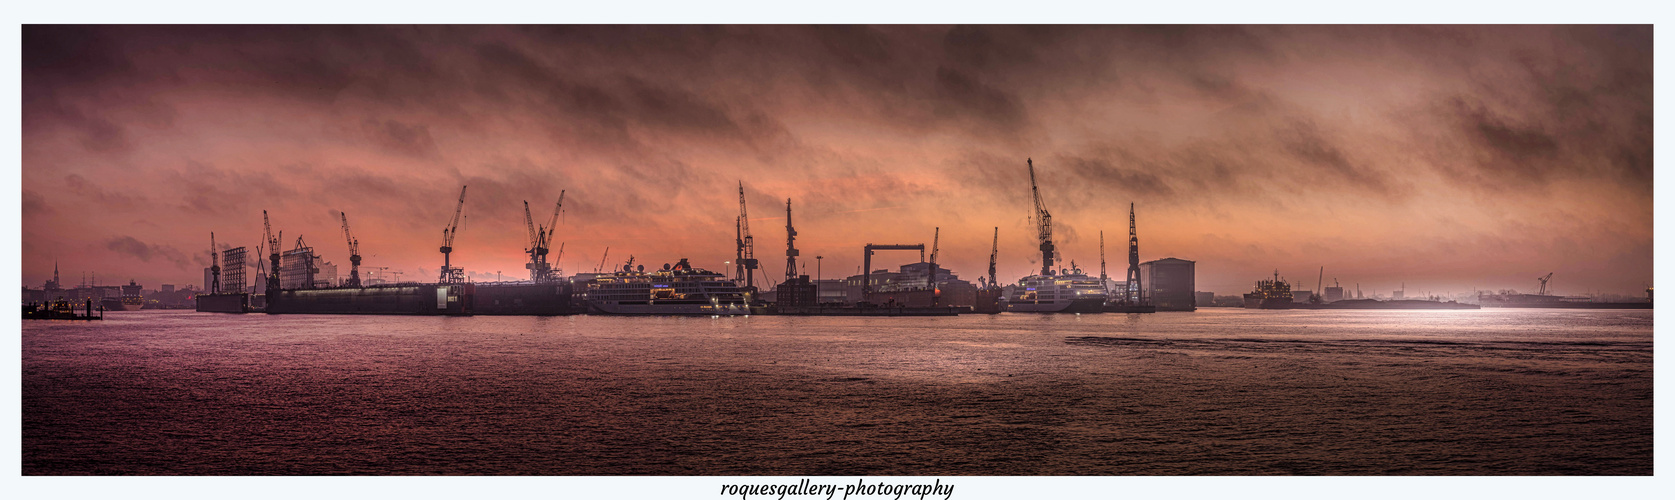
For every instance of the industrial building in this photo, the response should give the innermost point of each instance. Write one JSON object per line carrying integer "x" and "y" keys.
{"x": 1170, "y": 283}
{"x": 909, "y": 278}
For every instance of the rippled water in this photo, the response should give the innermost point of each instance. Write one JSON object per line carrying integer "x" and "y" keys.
{"x": 1218, "y": 391}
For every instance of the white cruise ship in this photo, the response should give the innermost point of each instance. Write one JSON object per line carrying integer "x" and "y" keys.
{"x": 1070, "y": 292}
{"x": 674, "y": 290}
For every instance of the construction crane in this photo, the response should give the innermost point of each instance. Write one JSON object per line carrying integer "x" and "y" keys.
{"x": 354, "y": 254}
{"x": 1131, "y": 281}
{"x": 451, "y": 274}
{"x": 936, "y": 239}
{"x": 745, "y": 263}
{"x": 273, "y": 257}
{"x": 601, "y": 267}
{"x": 994, "y": 251}
{"x": 1043, "y": 223}
{"x": 1544, "y": 280}
{"x": 558, "y": 261}
{"x": 214, "y": 266}
{"x": 790, "y": 245}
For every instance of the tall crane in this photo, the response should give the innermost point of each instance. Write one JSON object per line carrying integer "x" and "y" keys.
{"x": 534, "y": 249}
{"x": 1543, "y": 281}
{"x": 558, "y": 261}
{"x": 354, "y": 254}
{"x": 548, "y": 271}
{"x": 1314, "y": 298}
{"x": 745, "y": 263}
{"x": 601, "y": 267}
{"x": 1132, "y": 283}
{"x": 1043, "y": 223}
{"x": 214, "y": 266}
{"x": 273, "y": 257}
{"x": 994, "y": 251}
{"x": 936, "y": 239}
{"x": 451, "y": 274}
{"x": 790, "y": 245}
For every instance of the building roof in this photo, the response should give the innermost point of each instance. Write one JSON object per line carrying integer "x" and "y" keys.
{"x": 1169, "y": 260}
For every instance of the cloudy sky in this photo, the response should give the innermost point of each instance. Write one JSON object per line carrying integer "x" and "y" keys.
{"x": 1446, "y": 158}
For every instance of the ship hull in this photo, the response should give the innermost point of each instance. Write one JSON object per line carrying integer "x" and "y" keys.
{"x": 235, "y": 303}
{"x": 525, "y": 299}
{"x": 1084, "y": 306}
{"x": 112, "y": 305}
{"x": 988, "y": 302}
{"x": 665, "y": 308}
{"x": 417, "y": 299}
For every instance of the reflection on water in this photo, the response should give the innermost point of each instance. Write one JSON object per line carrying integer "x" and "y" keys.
{"x": 1213, "y": 392}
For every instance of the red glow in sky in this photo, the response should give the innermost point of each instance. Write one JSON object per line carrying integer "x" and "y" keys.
{"x": 1446, "y": 158}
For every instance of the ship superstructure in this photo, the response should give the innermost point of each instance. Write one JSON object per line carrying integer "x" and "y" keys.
{"x": 678, "y": 289}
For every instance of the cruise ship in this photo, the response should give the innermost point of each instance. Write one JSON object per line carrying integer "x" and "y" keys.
{"x": 679, "y": 289}
{"x": 1070, "y": 291}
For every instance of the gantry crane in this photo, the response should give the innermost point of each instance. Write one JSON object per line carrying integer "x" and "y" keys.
{"x": 451, "y": 274}
{"x": 1043, "y": 223}
{"x": 534, "y": 249}
{"x": 549, "y": 271}
{"x": 1544, "y": 280}
{"x": 354, "y": 254}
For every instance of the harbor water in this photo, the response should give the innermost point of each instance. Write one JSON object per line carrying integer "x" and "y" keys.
{"x": 1217, "y": 391}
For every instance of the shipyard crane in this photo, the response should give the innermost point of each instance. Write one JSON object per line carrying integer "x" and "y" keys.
{"x": 1132, "y": 285}
{"x": 790, "y": 245}
{"x": 546, "y": 234}
{"x": 451, "y": 274}
{"x": 534, "y": 265}
{"x": 214, "y": 267}
{"x": 745, "y": 263}
{"x": 1544, "y": 280}
{"x": 994, "y": 251}
{"x": 1043, "y": 223}
{"x": 601, "y": 267}
{"x": 273, "y": 257}
{"x": 557, "y": 261}
{"x": 354, "y": 254}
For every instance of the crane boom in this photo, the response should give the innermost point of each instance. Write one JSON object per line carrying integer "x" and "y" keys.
{"x": 1544, "y": 280}
{"x": 273, "y": 257}
{"x": 553, "y": 223}
{"x": 790, "y": 245}
{"x": 1043, "y": 223}
{"x": 451, "y": 274}
{"x": 354, "y": 253}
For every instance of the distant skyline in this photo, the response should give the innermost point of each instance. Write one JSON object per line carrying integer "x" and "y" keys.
{"x": 1445, "y": 157}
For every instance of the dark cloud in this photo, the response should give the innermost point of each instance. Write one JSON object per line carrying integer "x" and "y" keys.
{"x": 410, "y": 140}
{"x": 79, "y": 185}
{"x": 34, "y": 204}
{"x": 146, "y": 252}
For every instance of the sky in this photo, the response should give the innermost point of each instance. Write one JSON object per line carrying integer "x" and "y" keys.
{"x": 1439, "y": 158}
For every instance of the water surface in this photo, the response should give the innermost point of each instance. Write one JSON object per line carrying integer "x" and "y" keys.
{"x": 1218, "y": 391}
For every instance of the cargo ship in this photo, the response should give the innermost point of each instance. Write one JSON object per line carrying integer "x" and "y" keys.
{"x": 679, "y": 289}
{"x": 1068, "y": 292}
{"x": 453, "y": 299}
{"x": 1270, "y": 294}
